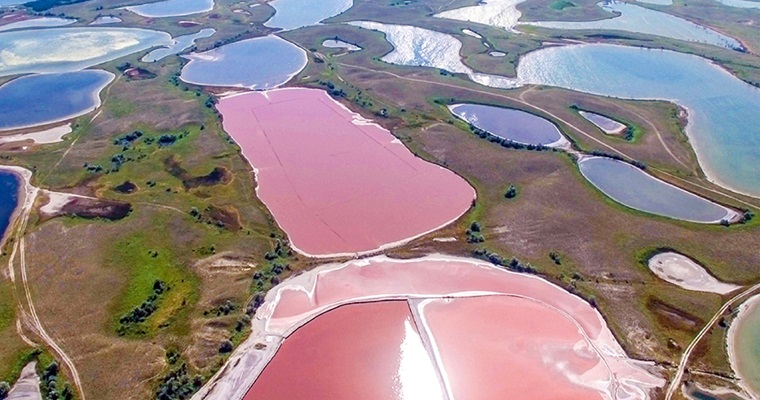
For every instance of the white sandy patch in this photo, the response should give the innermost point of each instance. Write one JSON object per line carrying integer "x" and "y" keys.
{"x": 470, "y": 32}
{"x": 47, "y": 136}
{"x": 445, "y": 239}
{"x": 684, "y": 272}
{"x": 28, "y": 385}
{"x": 58, "y": 200}
{"x": 499, "y": 13}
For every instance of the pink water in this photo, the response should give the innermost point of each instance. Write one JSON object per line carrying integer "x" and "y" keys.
{"x": 334, "y": 185}
{"x": 425, "y": 277}
{"x": 500, "y": 347}
{"x": 354, "y": 352}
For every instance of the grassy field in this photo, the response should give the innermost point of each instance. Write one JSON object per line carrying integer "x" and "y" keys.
{"x": 207, "y": 241}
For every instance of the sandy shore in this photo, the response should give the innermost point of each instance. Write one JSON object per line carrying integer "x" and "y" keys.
{"x": 750, "y": 306}
{"x": 684, "y": 272}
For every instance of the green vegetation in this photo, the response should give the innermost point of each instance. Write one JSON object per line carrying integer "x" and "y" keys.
{"x": 560, "y": 5}
{"x": 51, "y": 387}
{"x": 511, "y": 192}
{"x": 474, "y": 234}
{"x": 130, "y": 323}
{"x": 178, "y": 383}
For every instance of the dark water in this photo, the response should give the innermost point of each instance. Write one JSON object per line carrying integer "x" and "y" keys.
{"x": 9, "y": 184}
{"x": 518, "y": 126}
{"x": 40, "y": 99}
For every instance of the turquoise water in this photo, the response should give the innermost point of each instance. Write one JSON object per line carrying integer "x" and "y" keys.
{"x": 9, "y": 184}
{"x": 746, "y": 344}
{"x": 638, "y": 19}
{"x": 260, "y": 63}
{"x": 181, "y": 43}
{"x": 70, "y": 49}
{"x": 515, "y": 125}
{"x": 42, "y": 99}
{"x": 635, "y": 188}
{"x": 294, "y": 14}
{"x": 722, "y": 109}
{"x": 172, "y": 8}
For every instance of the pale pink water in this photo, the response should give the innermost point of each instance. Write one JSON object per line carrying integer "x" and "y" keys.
{"x": 500, "y": 347}
{"x": 334, "y": 185}
{"x": 353, "y": 352}
{"x": 425, "y": 277}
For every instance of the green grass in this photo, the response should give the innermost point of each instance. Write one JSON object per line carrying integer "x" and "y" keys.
{"x": 560, "y": 5}
{"x": 145, "y": 258}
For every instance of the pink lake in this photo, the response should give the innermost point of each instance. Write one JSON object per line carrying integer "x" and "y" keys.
{"x": 437, "y": 327}
{"x": 335, "y": 182}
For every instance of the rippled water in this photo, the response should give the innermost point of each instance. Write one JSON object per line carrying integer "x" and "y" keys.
{"x": 172, "y": 8}
{"x": 498, "y": 13}
{"x": 71, "y": 49}
{"x": 9, "y": 185}
{"x": 293, "y": 14}
{"x": 722, "y": 109}
{"x": 643, "y": 192}
{"x": 638, "y": 19}
{"x": 425, "y": 48}
{"x": 259, "y": 63}
{"x": 181, "y": 43}
{"x": 42, "y": 99}
{"x": 745, "y": 345}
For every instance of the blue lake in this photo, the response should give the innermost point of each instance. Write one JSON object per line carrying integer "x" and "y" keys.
{"x": 181, "y": 43}
{"x": 638, "y": 19}
{"x": 41, "y": 99}
{"x": 172, "y": 8}
{"x": 722, "y": 109}
{"x": 259, "y": 63}
{"x": 55, "y": 50}
{"x": 515, "y": 125}
{"x": 636, "y": 189}
{"x": 9, "y": 185}
{"x": 293, "y": 14}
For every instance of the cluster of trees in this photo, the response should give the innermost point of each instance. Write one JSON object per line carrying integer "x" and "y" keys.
{"x": 506, "y": 142}
{"x": 145, "y": 310}
{"x": 513, "y": 264}
{"x": 127, "y": 140}
{"x": 178, "y": 384}
{"x": 224, "y": 309}
{"x": 51, "y": 388}
{"x": 474, "y": 234}
{"x": 635, "y": 163}
{"x": 556, "y": 258}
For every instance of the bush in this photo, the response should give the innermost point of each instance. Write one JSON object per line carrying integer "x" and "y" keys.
{"x": 511, "y": 192}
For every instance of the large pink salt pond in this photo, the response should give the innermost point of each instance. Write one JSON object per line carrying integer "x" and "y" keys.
{"x": 437, "y": 328}
{"x": 336, "y": 183}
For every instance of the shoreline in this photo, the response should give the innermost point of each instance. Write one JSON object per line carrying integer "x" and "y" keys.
{"x": 26, "y": 196}
{"x": 750, "y": 305}
{"x": 233, "y": 381}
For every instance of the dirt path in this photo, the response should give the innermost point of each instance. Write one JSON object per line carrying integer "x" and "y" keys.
{"x": 674, "y": 384}
{"x": 573, "y": 127}
{"x": 31, "y": 318}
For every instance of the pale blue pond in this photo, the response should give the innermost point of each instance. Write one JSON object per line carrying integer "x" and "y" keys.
{"x": 259, "y": 63}
{"x": 9, "y": 185}
{"x": 515, "y": 125}
{"x": 181, "y": 43}
{"x": 71, "y": 49}
{"x": 42, "y": 99}
{"x": 294, "y": 14}
{"x": 658, "y": 2}
{"x": 44, "y": 22}
{"x": 172, "y": 8}
{"x": 723, "y": 110}
{"x": 639, "y": 19}
{"x": 740, "y": 3}
{"x": 339, "y": 44}
{"x": 105, "y": 20}
{"x": 636, "y": 189}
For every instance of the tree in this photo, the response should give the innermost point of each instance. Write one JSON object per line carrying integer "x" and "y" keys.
{"x": 511, "y": 192}
{"x": 4, "y": 389}
{"x": 475, "y": 226}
